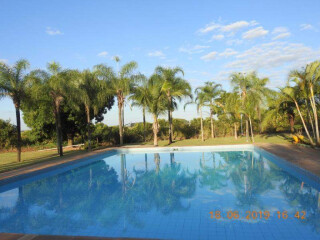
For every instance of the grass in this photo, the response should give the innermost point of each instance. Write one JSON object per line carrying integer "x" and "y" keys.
{"x": 8, "y": 160}
{"x": 274, "y": 138}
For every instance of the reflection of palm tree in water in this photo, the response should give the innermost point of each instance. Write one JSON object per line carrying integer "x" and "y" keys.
{"x": 250, "y": 180}
{"x": 303, "y": 198}
{"x": 215, "y": 177}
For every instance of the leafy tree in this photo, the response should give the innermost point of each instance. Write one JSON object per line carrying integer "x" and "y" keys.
{"x": 8, "y": 134}
{"x": 13, "y": 84}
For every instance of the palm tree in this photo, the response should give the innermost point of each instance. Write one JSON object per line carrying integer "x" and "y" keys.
{"x": 307, "y": 80}
{"x": 13, "y": 84}
{"x": 155, "y": 103}
{"x": 175, "y": 88}
{"x": 140, "y": 99}
{"x": 57, "y": 84}
{"x": 120, "y": 85}
{"x": 231, "y": 107}
{"x": 261, "y": 91}
{"x": 200, "y": 101}
{"x": 292, "y": 93}
{"x": 91, "y": 94}
{"x": 241, "y": 85}
{"x": 212, "y": 92}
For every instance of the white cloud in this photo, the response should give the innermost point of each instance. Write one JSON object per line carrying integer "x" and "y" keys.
{"x": 4, "y": 60}
{"x": 228, "y": 52}
{"x": 274, "y": 55}
{"x": 218, "y": 37}
{"x": 209, "y": 27}
{"x": 234, "y": 42}
{"x": 254, "y": 33}
{"x": 209, "y": 56}
{"x": 231, "y": 28}
{"x": 156, "y": 53}
{"x": 102, "y": 54}
{"x": 194, "y": 49}
{"x": 51, "y": 31}
{"x": 307, "y": 27}
{"x": 280, "y": 32}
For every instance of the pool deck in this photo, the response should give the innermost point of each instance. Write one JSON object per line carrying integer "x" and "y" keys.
{"x": 18, "y": 236}
{"x": 303, "y": 157}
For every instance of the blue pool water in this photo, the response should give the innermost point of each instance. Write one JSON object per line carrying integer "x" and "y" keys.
{"x": 166, "y": 195}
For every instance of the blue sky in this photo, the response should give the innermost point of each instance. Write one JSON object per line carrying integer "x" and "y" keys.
{"x": 208, "y": 39}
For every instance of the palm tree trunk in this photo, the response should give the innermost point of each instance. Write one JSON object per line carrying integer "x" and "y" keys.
{"x": 170, "y": 117}
{"x": 58, "y": 126}
{"x": 120, "y": 120}
{"x": 201, "y": 123}
{"x": 235, "y": 131}
{"x": 144, "y": 123}
{"x": 89, "y": 127}
{"x": 291, "y": 122}
{"x": 155, "y": 130}
{"x": 251, "y": 129}
{"x": 18, "y": 132}
{"x": 247, "y": 130}
{"x": 59, "y": 131}
{"x": 304, "y": 124}
{"x": 314, "y": 108}
{"x": 211, "y": 122}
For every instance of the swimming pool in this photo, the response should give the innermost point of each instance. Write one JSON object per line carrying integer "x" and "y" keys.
{"x": 223, "y": 192}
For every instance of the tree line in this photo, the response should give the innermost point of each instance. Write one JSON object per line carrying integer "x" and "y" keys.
{"x": 63, "y": 102}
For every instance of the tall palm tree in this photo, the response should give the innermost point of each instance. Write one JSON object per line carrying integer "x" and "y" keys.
{"x": 57, "y": 84}
{"x": 175, "y": 88}
{"x": 231, "y": 107}
{"x": 13, "y": 84}
{"x": 155, "y": 103}
{"x": 241, "y": 84}
{"x": 292, "y": 93}
{"x": 308, "y": 79}
{"x": 212, "y": 92}
{"x": 140, "y": 99}
{"x": 91, "y": 93}
{"x": 120, "y": 85}
{"x": 261, "y": 91}
{"x": 200, "y": 101}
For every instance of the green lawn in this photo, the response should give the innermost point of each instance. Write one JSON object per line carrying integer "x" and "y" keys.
{"x": 8, "y": 160}
{"x": 275, "y": 138}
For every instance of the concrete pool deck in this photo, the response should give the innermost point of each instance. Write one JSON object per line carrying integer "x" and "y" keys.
{"x": 304, "y": 157}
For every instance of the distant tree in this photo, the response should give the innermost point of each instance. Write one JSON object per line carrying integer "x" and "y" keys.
{"x": 13, "y": 84}
{"x": 8, "y": 134}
